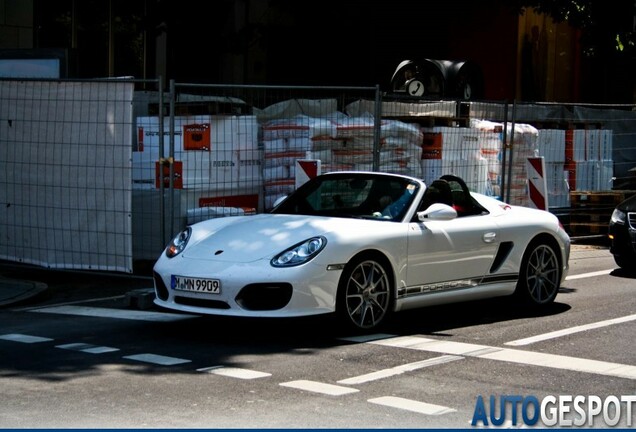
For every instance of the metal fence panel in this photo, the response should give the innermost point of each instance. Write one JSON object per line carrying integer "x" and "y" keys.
{"x": 65, "y": 174}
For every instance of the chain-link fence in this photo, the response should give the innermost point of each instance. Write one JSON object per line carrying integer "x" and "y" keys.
{"x": 101, "y": 174}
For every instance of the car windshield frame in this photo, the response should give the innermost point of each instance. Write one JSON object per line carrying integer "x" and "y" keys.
{"x": 370, "y": 196}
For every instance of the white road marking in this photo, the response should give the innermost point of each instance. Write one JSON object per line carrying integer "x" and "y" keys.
{"x": 367, "y": 337}
{"x": 385, "y": 373}
{"x": 87, "y": 348}
{"x": 318, "y": 387}
{"x": 587, "y": 275}
{"x": 571, "y": 330}
{"x": 411, "y": 405}
{"x": 234, "y": 372}
{"x": 92, "y": 300}
{"x": 115, "y": 313}
{"x": 512, "y": 356}
{"x": 157, "y": 359}
{"x": 16, "y": 337}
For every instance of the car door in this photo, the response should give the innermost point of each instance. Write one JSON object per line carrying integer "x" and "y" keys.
{"x": 451, "y": 253}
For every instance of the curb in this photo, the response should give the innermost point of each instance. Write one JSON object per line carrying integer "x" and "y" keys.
{"x": 14, "y": 290}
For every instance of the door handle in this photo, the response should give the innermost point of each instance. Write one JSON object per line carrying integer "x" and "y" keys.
{"x": 489, "y": 237}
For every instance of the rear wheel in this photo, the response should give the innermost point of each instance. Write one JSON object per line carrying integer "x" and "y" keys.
{"x": 364, "y": 294}
{"x": 539, "y": 276}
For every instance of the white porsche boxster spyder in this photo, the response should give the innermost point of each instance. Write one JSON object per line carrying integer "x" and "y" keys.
{"x": 362, "y": 246}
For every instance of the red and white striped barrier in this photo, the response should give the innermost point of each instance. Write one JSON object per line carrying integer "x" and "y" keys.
{"x": 537, "y": 183}
{"x": 306, "y": 169}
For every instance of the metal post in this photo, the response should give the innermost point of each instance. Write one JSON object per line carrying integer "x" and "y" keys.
{"x": 512, "y": 145}
{"x": 504, "y": 151}
{"x": 171, "y": 154}
{"x": 162, "y": 215}
{"x": 377, "y": 128}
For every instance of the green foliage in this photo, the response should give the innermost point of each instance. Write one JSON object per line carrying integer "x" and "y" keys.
{"x": 606, "y": 26}
{"x": 577, "y": 13}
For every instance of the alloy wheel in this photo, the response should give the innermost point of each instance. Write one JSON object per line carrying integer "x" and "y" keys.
{"x": 367, "y": 294}
{"x": 542, "y": 274}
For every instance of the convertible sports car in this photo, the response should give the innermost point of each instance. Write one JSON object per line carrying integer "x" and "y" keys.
{"x": 364, "y": 245}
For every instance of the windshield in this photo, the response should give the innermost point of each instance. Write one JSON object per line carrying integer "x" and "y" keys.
{"x": 352, "y": 195}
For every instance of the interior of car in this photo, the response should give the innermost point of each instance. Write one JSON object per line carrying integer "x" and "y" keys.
{"x": 451, "y": 190}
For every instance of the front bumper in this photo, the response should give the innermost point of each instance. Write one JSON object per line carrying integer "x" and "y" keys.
{"x": 250, "y": 290}
{"x": 622, "y": 240}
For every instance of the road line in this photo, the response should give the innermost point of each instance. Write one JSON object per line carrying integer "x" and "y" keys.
{"x": 587, "y": 275}
{"x": 318, "y": 387}
{"x": 157, "y": 359}
{"x": 87, "y": 348}
{"x": 93, "y": 300}
{"x": 411, "y": 405}
{"x": 366, "y": 338}
{"x": 233, "y": 372}
{"x": 17, "y": 337}
{"x": 398, "y": 370}
{"x": 571, "y": 330}
{"x": 115, "y": 313}
{"x": 512, "y": 356}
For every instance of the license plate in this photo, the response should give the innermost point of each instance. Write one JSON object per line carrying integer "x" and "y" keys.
{"x": 182, "y": 283}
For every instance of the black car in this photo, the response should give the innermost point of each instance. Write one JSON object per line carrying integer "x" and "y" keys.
{"x": 622, "y": 233}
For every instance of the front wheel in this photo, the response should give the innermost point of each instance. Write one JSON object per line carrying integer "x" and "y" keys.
{"x": 625, "y": 262}
{"x": 364, "y": 294}
{"x": 539, "y": 276}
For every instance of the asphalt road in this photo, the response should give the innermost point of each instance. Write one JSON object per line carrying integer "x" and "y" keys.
{"x": 80, "y": 355}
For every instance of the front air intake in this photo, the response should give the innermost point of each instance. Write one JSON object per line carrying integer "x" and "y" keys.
{"x": 261, "y": 296}
{"x": 160, "y": 288}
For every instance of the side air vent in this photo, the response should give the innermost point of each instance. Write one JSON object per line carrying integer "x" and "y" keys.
{"x": 502, "y": 254}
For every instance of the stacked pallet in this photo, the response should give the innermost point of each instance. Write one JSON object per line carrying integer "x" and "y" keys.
{"x": 591, "y": 211}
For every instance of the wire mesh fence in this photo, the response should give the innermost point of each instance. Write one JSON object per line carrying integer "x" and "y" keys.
{"x": 100, "y": 175}
{"x": 64, "y": 174}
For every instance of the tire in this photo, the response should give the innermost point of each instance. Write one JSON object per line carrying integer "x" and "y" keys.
{"x": 365, "y": 294}
{"x": 625, "y": 262}
{"x": 539, "y": 276}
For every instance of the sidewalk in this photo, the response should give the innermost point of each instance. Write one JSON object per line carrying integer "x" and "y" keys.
{"x": 13, "y": 290}
{"x": 16, "y": 290}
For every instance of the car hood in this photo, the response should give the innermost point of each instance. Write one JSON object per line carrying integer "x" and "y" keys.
{"x": 629, "y": 205}
{"x": 250, "y": 238}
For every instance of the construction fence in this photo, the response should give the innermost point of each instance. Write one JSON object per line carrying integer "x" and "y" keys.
{"x": 101, "y": 174}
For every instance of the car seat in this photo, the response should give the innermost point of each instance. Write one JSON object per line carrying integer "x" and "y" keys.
{"x": 463, "y": 203}
{"x": 438, "y": 191}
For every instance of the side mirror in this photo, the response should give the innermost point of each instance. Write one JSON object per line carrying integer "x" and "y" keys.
{"x": 438, "y": 212}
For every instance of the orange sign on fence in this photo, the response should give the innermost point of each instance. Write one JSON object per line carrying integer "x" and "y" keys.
{"x": 432, "y": 145}
{"x": 196, "y": 136}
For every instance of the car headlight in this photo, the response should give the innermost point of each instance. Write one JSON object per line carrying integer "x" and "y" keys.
{"x": 300, "y": 253}
{"x": 178, "y": 244}
{"x": 618, "y": 217}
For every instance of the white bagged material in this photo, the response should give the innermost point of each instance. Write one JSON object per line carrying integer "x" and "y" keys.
{"x": 276, "y": 173}
{"x": 551, "y": 145}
